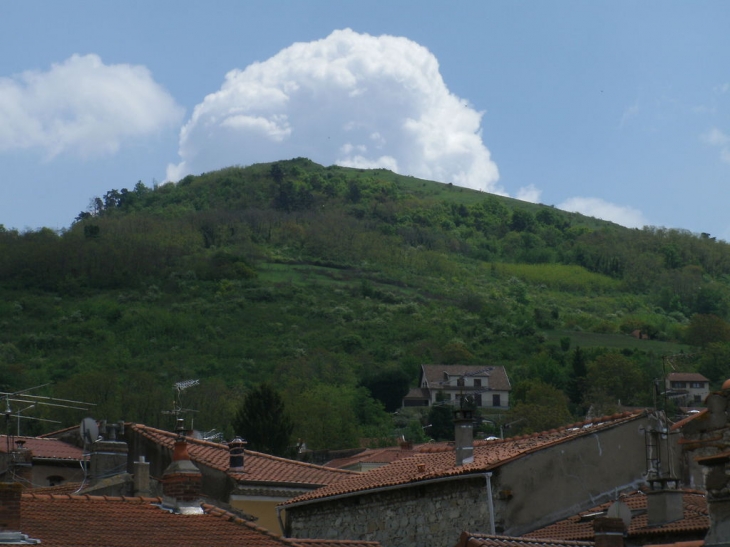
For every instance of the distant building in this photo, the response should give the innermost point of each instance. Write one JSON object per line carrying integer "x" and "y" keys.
{"x": 488, "y": 386}
{"x": 687, "y": 388}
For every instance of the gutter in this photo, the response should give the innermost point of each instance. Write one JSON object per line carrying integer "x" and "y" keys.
{"x": 490, "y": 503}
{"x": 388, "y": 489}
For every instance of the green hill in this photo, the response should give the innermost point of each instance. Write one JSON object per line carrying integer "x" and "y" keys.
{"x": 334, "y": 285}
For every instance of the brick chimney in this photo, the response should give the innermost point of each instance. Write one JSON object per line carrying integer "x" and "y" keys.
{"x": 236, "y": 452}
{"x": 609, "y": 532}
{"x": 10, "y": 506}
{"x": 464, "y": 435}
{"x": 182, "y": 481}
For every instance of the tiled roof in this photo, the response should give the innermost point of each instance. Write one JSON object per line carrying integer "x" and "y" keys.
{"x": 65, "y": 521}
{"x": 580, "y": 527}
{"x": 681, "y": 423}
{"x": 686, "y": 377}
{"x": 81, "y": 521}
{"x": 438, "y": 461}
{"x": 51, "y": 449}
{"x": 483, "y": 540}
{"x": 417, "y": 393}
{"x": 258, "y": 467}
{"x": 330, "y": 543}
{"x": 434, "y": 374}
{"x": 65, "y": 488}
{"x": 373, "y": 456}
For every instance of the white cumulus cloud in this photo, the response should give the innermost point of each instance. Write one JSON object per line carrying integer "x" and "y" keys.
{"x": 529, "y": 193}
{"x": 351, "y": 99}
{"x": 718, "y": 139}
{"x": 82, "y": 106}
{"x": 595, "y": 207}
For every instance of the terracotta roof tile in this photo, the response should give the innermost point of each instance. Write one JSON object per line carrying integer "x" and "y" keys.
{"x": 681, "y": 423}
{"x": 373, "y": 456}
{"x": 330, "y": 543}
{"x": 439, "y": 461}
{"x": 484, "y": 540}
{"x": 51, "y": 449}
{"x": 86, "y": 521}
{"x": 580, "y": 527}
{"x": 64, "y": 521}
{"x": 65, "y": 488}
{"x": 258, "y": 467}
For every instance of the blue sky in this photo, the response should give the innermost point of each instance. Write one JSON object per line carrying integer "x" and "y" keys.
{"x": 616, "y": 109}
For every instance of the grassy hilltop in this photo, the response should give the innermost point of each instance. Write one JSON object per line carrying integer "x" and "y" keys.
{"x": 334, "y": 285}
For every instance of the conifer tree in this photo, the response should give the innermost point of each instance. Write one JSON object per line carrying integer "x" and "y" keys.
{"x": 263, "y": 421}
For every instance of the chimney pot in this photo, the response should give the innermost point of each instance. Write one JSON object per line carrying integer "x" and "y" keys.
{"x": 142, "y": 478}
{"x": 236, "y": 451}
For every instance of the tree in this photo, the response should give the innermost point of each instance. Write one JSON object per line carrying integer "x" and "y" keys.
{"x": 326, "y": 417}
{"x": 389, "y": 387}
{"x": 441, "y": 420}
{"x": 705, "y": 329}
{"x": 614, "y": 380}
{"x": 541, "y": 407}
{"x": 577, "y": 382}
{"x": 263, "y": 421}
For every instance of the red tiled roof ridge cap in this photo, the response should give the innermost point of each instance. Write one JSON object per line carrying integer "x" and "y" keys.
{"x": 87, "y": 497}
{"x": 222, "y": 446}
{"x": 529, "y": 540}
{"x": 333, "y": 541}
{"x": 172, "y": 436}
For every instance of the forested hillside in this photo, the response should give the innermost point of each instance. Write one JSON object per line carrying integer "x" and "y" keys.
{"x": 334, "y": 285}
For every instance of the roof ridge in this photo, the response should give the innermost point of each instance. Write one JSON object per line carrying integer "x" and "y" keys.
{"x": 216, "y": 511}
{"x": 88, "y": 497}
{"x": 222, "y": 446}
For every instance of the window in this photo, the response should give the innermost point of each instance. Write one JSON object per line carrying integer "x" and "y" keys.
{"x": 460, "y": 382}
{"x": 496, "y": 400}
{"x": 55, "y": 480}
{"x": 679, "y": 385}
{"x": 698, "y": 398}
{"x": 477, "y": 382}
{"x": 697, "y": 385}
{"x": 478, "y": 399}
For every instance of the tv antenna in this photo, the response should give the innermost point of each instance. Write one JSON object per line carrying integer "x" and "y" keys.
{"x": 27, "y": 401}
{"x": 177, "y": 408}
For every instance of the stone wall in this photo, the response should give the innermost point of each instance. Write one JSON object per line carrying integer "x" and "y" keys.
{"x": 428, "y": 514}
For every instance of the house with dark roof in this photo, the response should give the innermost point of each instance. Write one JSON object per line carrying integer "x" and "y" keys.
{"x": 509, "y": 486}
{"x": 687, "y": 388}
{"x": 487, "y": 386}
